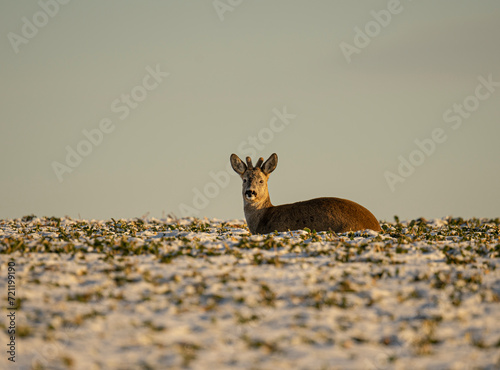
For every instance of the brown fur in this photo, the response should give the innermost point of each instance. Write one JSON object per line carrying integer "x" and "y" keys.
{"x": 320, "y": 214}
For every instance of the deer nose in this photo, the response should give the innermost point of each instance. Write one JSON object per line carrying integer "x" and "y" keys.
{"x": 249, "y": 193}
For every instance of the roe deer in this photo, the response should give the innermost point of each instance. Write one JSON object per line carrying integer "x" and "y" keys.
{"x": 320, "y": 214}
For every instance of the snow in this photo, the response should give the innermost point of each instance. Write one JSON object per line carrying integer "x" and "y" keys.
{"x": 190, "y": 293}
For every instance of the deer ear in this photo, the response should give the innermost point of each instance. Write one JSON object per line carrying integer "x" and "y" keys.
{"x": 238, "y": 166}
{"x": 270, "y": 165}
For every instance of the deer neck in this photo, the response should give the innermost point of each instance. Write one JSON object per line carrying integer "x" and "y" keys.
{"x": 255, "y": 211}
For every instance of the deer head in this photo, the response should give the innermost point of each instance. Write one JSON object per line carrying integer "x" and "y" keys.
{"x": 254, "y": 190}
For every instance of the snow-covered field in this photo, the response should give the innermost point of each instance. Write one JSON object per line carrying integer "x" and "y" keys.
{"x": 205, "y": 294}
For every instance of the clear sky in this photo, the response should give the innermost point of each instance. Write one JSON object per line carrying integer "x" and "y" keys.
{"x": 120, "y": 108}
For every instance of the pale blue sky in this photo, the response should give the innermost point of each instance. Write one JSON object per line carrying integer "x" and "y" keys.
{"x": 354, "y": 121}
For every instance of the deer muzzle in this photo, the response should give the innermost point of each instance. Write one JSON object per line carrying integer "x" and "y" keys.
{"x": 250, "y": 194}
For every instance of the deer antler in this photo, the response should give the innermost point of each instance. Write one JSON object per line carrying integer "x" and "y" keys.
{"x": 249, "y": 162}
{"x": 259, "y": 162}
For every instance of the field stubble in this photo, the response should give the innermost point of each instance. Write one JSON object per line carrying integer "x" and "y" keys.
{"x": 194, "y": 293}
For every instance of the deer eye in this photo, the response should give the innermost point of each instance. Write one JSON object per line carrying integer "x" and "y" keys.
{"x": 244, "y": 180}
{"x": 261, "y": 181}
